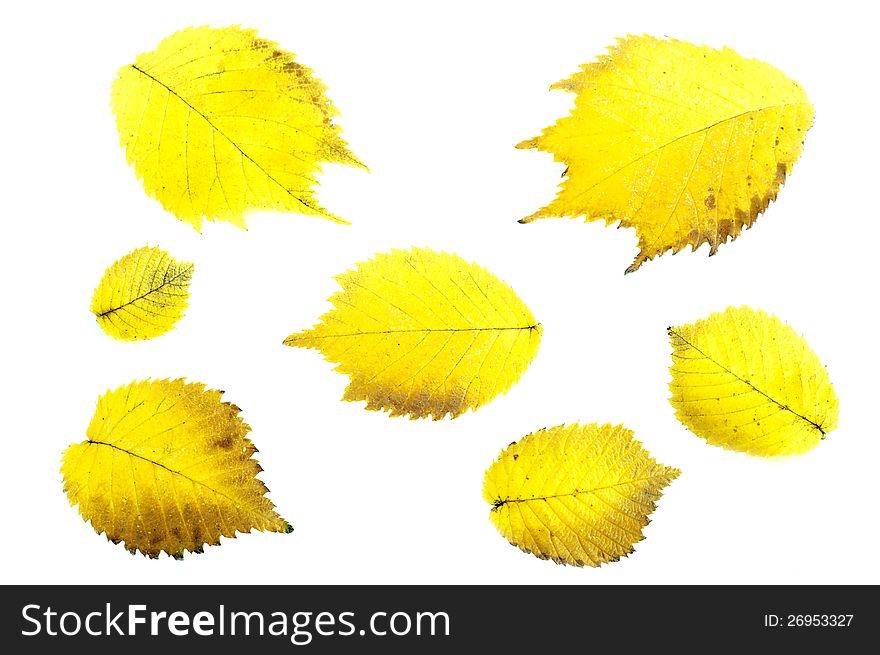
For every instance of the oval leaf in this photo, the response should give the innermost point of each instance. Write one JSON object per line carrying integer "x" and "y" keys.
{"x": 167, "y": 467}
{"x": 684, "y": 143}
{"x": 744, "y": 380}
{"x": 142, "y": 295}
{"x": 576, "y": 494}
{"x": 218, "y": 122}
{"x": 423, "y": 333}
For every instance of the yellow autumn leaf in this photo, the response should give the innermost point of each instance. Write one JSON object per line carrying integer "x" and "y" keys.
{"x": 684, "y": 143}
{"x": 746, "y": 381}
{"x": 218, "y": 122}
{"x": 166, "y": 467}
{"x": 424, "y": 333}
{"x": 142, "y": 295}
{"x": 576, "y": 494}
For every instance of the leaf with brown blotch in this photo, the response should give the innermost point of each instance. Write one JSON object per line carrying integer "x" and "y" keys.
{"x": 425, "y": 334}
{"x": 686, "y": 144}
{"x": 167, "y": 467}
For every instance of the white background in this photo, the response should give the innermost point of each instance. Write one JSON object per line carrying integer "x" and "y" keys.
{"x": 433, "y": 97}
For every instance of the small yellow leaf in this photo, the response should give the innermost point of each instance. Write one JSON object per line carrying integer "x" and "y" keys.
{"x": 423, "y": 333}
{"x": 167, "y": 467}
{"x": 576, "y": 494}
{"x": 142, "y": 295}
{"x": 218, "y": 122}
{"x": 684, "y": 143}
{"x": 744, "y": 380}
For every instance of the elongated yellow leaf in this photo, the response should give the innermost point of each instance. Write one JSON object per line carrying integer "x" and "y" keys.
{"x": 684, "y": 143}
{"x": 167, "y": 467}
{"x": 142, "y": 295}
{"x": 744, "y": 380}
{"x": 423, "y": 333}
{"x": 218, "y": 122}
{"x": 576, "y": 494}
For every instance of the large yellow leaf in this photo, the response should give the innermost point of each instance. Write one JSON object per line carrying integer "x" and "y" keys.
{"x": 423, "y": 333}
{"x": 744, "y": 380}
{"x": 684, "y": 143}
{"x": 576, "y": 494}
{"x": 167, "y": 467}
{"x": 218, "y": 122}
{"x": 142, "y": 295}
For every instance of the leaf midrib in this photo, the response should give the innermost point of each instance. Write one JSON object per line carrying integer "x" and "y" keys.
{"x": 165, "y": 283}
{"x": 301, "y": 337}
{"x": 170, "y": 470}
{"x": 679, "y": 138}
{"x": 577, "y": 492}
{"x": 782, "y": 406}
{"x": 236, "y": 146}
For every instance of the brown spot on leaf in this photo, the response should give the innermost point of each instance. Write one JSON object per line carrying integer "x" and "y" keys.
{"x": 780, "y": 172}
{"x": 292, "y": 67}
{"x": 710, "y": 201}
{"x": 744, "y": 218}
{"x": 225, "y": 442}
{"x": 757, "y": 206}
{"x": 725, "y": 229}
